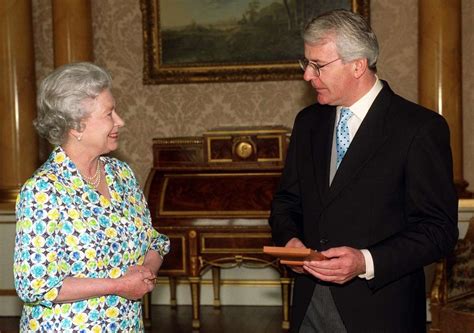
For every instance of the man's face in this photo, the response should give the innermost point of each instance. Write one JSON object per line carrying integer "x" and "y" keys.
{"x": 333, "y": 85}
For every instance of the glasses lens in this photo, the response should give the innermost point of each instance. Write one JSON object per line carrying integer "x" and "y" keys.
{"x": 303, "y": 64}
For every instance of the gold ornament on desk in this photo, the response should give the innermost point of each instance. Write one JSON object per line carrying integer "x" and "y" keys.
{"x": 243, "y": 149}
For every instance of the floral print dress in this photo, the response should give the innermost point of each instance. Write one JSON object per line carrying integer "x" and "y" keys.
{"x": 65, "y": 228}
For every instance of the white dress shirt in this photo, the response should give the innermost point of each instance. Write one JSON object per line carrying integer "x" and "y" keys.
{"x": 359, "y": 109}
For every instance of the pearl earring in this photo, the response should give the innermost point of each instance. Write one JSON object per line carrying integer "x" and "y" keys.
{"x": 79, "y": 137}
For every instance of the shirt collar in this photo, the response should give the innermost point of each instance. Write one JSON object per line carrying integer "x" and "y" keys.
{"x": 362, "y": 106}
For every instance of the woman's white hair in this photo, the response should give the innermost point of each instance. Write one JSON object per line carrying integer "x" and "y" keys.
{"x": 62, "y": 98}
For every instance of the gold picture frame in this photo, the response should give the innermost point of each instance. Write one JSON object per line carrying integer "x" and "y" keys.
{"x": 166, "y": 61}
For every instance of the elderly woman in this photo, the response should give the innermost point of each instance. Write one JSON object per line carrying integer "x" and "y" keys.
{"x": 85, "y": 249}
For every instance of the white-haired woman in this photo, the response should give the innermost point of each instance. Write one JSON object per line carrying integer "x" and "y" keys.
{"x": 85, "y": 249}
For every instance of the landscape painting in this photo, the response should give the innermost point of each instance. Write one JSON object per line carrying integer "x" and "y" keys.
{"x": 228, "y": 40}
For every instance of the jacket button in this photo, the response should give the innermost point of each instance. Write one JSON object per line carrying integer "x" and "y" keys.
{"x": 323, "y": 241}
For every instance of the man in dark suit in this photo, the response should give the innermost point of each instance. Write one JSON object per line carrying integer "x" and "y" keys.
{"x": 368, "y": 182}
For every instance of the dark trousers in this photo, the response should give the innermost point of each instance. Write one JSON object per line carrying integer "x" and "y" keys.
{"x": 322, "y": 315}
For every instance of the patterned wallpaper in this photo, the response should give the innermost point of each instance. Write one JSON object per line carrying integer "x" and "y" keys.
{"x": 189, "y": 109}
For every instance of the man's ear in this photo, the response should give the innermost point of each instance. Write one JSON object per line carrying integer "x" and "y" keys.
{"x": 360, "y": 67}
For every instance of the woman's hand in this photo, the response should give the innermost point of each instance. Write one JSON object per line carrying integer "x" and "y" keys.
{"x": 137, "y": 281}
{"x": 141, "y": 269}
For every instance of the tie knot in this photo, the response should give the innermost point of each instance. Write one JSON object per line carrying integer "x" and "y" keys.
{"x": 346, "y": 113}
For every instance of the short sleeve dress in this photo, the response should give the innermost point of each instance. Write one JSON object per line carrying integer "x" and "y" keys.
{"x": 65, "y": 228}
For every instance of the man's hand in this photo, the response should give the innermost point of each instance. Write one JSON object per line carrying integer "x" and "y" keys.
{"x": 295, "y": 242}
{"x": 343, "y": 264}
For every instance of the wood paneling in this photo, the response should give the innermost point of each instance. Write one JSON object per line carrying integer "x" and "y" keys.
{"x": 18, "y": 140}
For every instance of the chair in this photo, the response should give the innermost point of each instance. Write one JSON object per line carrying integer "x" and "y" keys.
{"x": 452, "y": 293}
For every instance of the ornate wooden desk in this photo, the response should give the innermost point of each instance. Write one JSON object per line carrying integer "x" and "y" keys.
{"x": 211, "y": 195}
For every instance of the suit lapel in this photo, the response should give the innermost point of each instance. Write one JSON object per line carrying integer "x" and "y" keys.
{"x": 321, "y": 142}
{"x": 370, "y": 137}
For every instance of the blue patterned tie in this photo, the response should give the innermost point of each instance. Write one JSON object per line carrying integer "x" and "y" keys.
{"x": 343, "y": 139}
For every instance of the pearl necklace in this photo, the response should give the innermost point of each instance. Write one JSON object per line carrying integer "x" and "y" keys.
{"x": 96, "y": 178}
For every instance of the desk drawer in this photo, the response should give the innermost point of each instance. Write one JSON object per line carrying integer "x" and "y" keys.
{"x": 234, "y": 242}
{"x": 175, "y": 262}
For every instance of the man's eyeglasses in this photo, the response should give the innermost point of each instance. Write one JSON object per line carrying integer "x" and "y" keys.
{"x": 314, "y": 67}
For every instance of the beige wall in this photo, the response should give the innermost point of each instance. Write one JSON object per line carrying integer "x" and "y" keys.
{"x": 189, "y": 109}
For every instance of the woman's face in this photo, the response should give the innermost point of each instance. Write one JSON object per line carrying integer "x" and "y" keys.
{"x": 101, "y": 127}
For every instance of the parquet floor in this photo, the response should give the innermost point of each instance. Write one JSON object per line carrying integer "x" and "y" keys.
{"x": 228, "y": 319}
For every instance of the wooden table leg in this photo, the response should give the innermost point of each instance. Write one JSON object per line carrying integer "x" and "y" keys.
{"x": 194, "y": 278}
{"x": 195, "y": 283}
{"x": 146, "y": 303}
{"x": 216, "y": 285}
{"x": 173, "y": 302}
{"x": 286, "y": 295}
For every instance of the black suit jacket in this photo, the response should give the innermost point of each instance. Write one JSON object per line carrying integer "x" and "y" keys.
{"x": 392, "y": 194}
